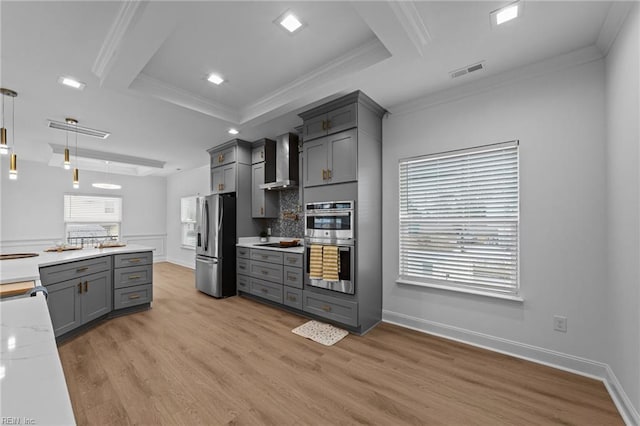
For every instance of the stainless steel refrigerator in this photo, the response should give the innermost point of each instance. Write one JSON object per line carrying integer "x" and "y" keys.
{"x": 215, "y": 245}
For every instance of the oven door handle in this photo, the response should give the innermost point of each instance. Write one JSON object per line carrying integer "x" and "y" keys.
{"x": 329, "y": 213}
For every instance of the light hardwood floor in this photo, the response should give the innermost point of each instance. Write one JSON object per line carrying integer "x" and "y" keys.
{"x": 192, "y": 359}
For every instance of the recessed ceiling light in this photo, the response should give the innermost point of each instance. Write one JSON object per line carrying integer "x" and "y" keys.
{"x": 68, "y": 81}
{"x": 233, "y": 131}
{"x": 289, "y": 21}
{"x": 506, "y": 14}
{"x": 215, "y": 78}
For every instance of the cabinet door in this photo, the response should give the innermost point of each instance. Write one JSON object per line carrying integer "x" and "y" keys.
{"x": 257, "y": 154}
{"x": 96, "y": 296}
{"x": 64, "y": 305}
{"x": 257, "y": 194}
{"x": 217, "y": 179}
{"x": 223, "y": 156}
{"x": 229, "y": 178}
{"x": 315, "y": 162}
{"x": 343, "y": 157}
{"x": 314, "y": 128}
{"x": 342, "y": 119}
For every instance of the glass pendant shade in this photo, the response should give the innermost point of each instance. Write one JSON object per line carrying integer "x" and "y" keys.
{"x": 76, "y": 179}
{"x": 13, "y": 167}
{"x": 67, "y": 163}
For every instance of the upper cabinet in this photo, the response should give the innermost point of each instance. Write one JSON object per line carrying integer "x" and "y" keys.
{"x": 330, "y": 122}
{"x": 224, "y": 165}
{"x": 264, "y": 204}
{"x": 331, "y": 159}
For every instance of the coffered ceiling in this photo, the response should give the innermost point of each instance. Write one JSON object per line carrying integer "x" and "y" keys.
{"x": 145, "y": 63}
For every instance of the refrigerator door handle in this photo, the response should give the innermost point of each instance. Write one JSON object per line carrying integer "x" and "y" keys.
{"x": 206, "y": 225}
{"x": 220, "y": 215}
{"x": 207, "y": 261}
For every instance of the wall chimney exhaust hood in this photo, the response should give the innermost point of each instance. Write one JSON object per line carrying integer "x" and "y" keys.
{"x": 286, "y": 163}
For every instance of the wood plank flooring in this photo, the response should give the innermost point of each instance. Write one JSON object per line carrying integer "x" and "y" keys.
{"x": 192, "y": 359}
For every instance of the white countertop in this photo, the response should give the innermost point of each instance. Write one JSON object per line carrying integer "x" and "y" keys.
{"x": 14, "y": 270}
{"x": 254, "y": 242}
{"x": 32, "y": 384}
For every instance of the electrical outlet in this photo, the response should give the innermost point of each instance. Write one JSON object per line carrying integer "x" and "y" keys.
{"x": 560, "y": 323}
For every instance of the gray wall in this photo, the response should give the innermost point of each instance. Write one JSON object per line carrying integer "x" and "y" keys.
{"x": 623, "y": 201}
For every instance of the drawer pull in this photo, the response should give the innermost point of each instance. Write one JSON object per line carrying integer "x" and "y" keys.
{"x": 134, "y": 277}
{"x": 265, "y": 272}
{"x": 86, "y": 286}
{"x": 326, "y": 308}
{"x": 82, "y": 269}
{"x": 80, "y": 287}
{"x": 292, "y": 260}
{"x": 291, "y": 298}
{"x": 264, "y": 290}
{"x": 291, "y": 278}
{"x": 265, "y": 256}
{"x": 134, "y": 296}
{"x": 242, "y": 267}
{"x": 136, "y": 260}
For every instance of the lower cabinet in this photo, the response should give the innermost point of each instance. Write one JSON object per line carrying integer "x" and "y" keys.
{"x": 344, "y": 311}
{"x": 78, "y": 301}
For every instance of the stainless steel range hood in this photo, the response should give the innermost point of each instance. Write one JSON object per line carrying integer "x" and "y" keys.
{"x": 286, "y": 163}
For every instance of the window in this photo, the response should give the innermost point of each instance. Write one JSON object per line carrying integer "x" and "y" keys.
{"x": 459, "y": 217}
{"x": 92, "y": 219}
{"x": 188, "y": 220}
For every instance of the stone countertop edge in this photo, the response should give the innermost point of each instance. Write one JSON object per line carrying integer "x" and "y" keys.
{"x": 28, "y": 269}
{"x": 32, "y": 384}
{"x": 253, "y": 242}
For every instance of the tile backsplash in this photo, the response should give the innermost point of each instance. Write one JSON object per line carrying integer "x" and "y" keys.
{"x": 290, "y": 208}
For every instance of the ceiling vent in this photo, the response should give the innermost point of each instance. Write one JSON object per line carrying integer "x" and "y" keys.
{"x": 100, "y": 134}
{"x": 466, "y": 70}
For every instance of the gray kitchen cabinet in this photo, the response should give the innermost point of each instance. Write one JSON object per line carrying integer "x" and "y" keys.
{"x": 223, "y": 179}
{"x": 132, "y": 296}
{"x": 264, "y": 204}
{"x": 335, "y": 121}
{"x": 344, "y": 311}
{"x": 332, "y": 159}
{"x": 133, "y": 284}
{"x": 223, "y": 156}
{"x": 78, "y": 301}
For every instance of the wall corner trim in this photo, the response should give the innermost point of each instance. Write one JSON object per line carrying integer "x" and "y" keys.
{"x": 573, "y": 364}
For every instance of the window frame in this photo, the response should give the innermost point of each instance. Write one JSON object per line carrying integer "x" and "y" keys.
{"x": 66, "y": 223}
{"x": 451, "y": 285}
{"x": 183, "y": 223}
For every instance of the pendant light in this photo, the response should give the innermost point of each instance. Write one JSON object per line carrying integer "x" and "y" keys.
{"x": 67, "y": 162}
{"x": 107, "y": 185}
{"x": 4, "y": 146}
{"x": 76, "y": 178}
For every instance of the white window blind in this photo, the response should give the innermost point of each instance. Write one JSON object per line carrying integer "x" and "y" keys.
{"x": 459, "y": 216}
{"x": 188, "y": 220}
{"x": 90, "y": 208}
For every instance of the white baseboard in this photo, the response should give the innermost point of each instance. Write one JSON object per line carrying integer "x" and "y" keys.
{"x": 573, "y": 364}
{"x": 181, "y": 263}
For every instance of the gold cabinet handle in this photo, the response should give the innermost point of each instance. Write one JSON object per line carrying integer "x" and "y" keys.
{"x": 265, "y": 272}
{"x": 324, "y": 174}
{"x": 328, "y": 124}
{"x": 261, "y": 154}
{"x": 134, "y": 277}
{"x": 134, "y": 296}
{"x": 264, "y": 290}
{"x": 324, "y": 125}
{"x": 290, "y": 278}
{"x": 292, "y": 259}
{"x": 264, "y": 256}
{"x": 86, "y": 286}
{"x": 82, "y": 269}
{"x": 326, "y": 308}
{"x": 261, "y": 210}
{"x": 291, "y": 298}
{"x": 222, "y": 157}
{"x": 80, "y": 287}
{"x": 220, "y": 186}
{"x": 328, "y": 174}
{"x": 136, "y": 260}
{"x": 242, "y": 267}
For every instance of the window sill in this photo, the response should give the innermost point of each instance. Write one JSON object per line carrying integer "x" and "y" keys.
{"x": 461, "y": 290}
{"x": 186, "y": 247}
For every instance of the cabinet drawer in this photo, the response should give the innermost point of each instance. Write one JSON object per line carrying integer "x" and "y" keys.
{"x": 223, "y": 156}
{"x": 243, "y": 252}
{"x": 344, "y": 311}
{"x": 292, "y": 277}
{"x": 133, "y": 275}
{"x": 243, "y": 283}
{"x": 266, "y": 290}
{"x": 266, "y": 255}
{"x": 293, "y": 259}
{"x": 242, "y": 266}
{"x": 133, "y": 259}
{"x": 292, "y": 297}
{"x": 132, "y": 296}
{"x": 266, "y": 271}
{"x": 71, "y": 270}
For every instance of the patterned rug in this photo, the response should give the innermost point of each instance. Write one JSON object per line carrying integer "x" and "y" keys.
{"x": 325, "y": 334}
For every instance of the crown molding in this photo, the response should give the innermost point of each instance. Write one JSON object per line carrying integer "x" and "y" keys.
{"x": 359, "y": 58}
{"x": 618, "y": 12}
{"x": 487, "y": 84}
{"x": 161, "y": 90}
{"x": 113, "y": 41}
{"x": 109, "y": 156}
{"x": 412, "y": 23}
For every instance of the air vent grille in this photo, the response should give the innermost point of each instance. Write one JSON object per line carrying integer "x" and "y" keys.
{"x": 100, "y": 134}
{"x": 466, "y": 70}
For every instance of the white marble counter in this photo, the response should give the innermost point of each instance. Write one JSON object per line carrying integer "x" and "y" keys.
{"x": 14, "y": 270}
{"x": 254, "y": 242}
{"x": 32, "y": 385}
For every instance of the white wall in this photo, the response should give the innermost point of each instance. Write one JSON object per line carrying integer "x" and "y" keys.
{"x": 184, "y": 184}
{"x": 558, "y": 114}
{"x": 623, "y": 200}
{"x": 32, "y": 206}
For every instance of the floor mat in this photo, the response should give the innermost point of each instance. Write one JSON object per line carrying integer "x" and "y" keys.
{"x": 325, "y": 334}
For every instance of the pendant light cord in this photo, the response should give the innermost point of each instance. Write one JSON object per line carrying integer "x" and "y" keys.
{"x": 13, "y": 121}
